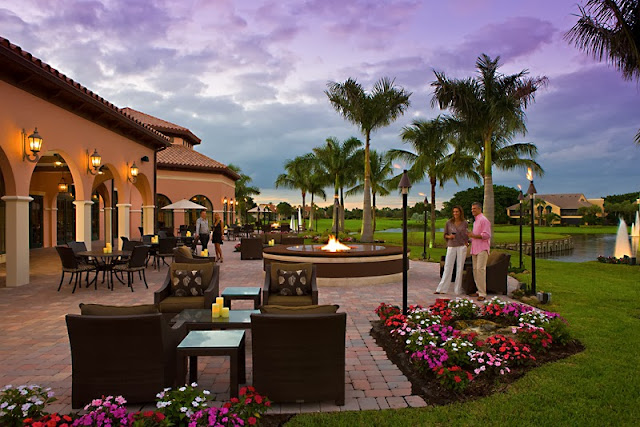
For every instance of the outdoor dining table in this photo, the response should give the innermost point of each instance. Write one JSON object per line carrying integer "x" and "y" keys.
{"x": 108, "y": 261}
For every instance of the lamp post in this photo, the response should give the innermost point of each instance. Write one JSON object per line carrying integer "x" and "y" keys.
{"x": 520, "y": 198}
{"x": 405, "y": 184}
{"x": 532, "y": 193}
{"x": 424, "y": 245}
{"x": 224, "y": 204}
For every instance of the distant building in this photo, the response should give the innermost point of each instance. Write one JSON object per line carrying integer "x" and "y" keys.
{"x": 566, "y": 206}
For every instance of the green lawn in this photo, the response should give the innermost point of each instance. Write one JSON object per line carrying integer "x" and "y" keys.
{"x": 596, "y": 387}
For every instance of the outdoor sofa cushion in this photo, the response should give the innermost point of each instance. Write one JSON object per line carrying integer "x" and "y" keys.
{"x": 302, "y": 309}
{"x": 275, "y": 299}
{"x": 187, "y": 283}
{"x": 116, "y": 310}
{"x": 206, "y": 270}
{"x": 276, "y": 266}
{"x": 173, "y": 304}
{"x": 292, "y": 282}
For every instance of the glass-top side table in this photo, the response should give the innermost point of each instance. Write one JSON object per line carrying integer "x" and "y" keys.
{"x": 240, "y": 293}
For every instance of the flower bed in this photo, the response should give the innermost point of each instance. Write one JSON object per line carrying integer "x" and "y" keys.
{"x": 184, "y": 406}
{"x": 455, "y": 350}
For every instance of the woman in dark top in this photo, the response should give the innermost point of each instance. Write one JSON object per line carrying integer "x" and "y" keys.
{"x": 455, "y": 234}
{"x": 217, "y": 236}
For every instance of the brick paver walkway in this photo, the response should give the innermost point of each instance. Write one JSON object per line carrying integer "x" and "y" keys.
{"x": 34, "y": 347}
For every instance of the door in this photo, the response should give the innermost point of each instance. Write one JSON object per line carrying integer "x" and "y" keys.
{"x": 66, "y": 218}
{"x": 36, "y": 222}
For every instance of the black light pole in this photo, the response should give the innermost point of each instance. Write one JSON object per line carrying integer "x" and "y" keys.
{"x": 405, "y": 184}
{"x": 532, "y": 192}
{"x": 520, "y": 198}
{"x": 424, "y": 245}
{"x": 224, "y": 204}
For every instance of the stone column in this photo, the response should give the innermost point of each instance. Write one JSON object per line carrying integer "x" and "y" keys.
{"x": 123, "y": 221}
{"x": 17, "y": 239}
{"x": 83, "y": 221}
{"x": 148, "y": 218}
{"x": 108, "y": 225}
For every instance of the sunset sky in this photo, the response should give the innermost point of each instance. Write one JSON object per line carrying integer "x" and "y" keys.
{"x": 247, "y": 77}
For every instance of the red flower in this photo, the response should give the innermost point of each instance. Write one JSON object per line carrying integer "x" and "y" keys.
{"x": 252, "y": 421}
{"x": 258, "y": 398}
{"x": 251, "y": 388}
{"x": 234, "y": 400}
{"x": 148, "y": 414}
{"x": 247, "y": 401}
{"x": 243, "y": 391}
{"x": 160, "y": 416}
{"x": 227, "y": 405}
{"x": 457, "y": 379}
{"x": 469, "y": 376}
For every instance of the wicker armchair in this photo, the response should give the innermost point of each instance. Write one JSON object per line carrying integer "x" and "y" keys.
{"x": 129, "y": 355}
{"x": 497, "y": 272}
{"x": 299, "y": 358}
{"x": 169, "y": 304}
{"x": 251, "y": 248}
{"x": 270, "y": 276}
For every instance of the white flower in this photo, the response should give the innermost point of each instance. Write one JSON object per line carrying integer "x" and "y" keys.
{"x": 182, "y": 388}
{"x": 194, "y": 384}
{"x": 161, "y": 405}
{"x": 206, "y": 392}
{"x": 195, "y": 404}
{"x": 160, "y": 395}
{"x": 199, "y": 399}
{"x": 11, "y": 407}
{"x": 183, "y": 409}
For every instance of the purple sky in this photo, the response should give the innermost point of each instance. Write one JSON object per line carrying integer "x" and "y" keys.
{"x": 248, "y": 76}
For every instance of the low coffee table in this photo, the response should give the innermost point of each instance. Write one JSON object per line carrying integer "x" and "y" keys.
{"x": 236, "y": 293}
{"x": 213, "y": 343}
{"x": 201, "y": 319}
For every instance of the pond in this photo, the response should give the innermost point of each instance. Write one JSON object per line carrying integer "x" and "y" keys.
{"x": 410, "y": 229}
{"x": 586, "y": 247}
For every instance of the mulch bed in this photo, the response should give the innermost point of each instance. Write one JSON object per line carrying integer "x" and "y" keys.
{"x": 430, "y": 389}
{"x": 275, "y": 420}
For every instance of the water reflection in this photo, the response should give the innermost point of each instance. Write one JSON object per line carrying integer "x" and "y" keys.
{"x": 586, "y": 247}
{"x": 409, "y": 229}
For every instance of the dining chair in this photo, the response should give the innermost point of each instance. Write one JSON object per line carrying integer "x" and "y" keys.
{"x": 135, "y": 263}
{"x": 70, "y": 265}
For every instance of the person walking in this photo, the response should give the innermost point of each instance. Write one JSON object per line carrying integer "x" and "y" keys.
{"x": 480, "y": 247}
{"x": 455, "y": 234}
{"x": 202, "y": 229}
{"x": 217, "y": 236}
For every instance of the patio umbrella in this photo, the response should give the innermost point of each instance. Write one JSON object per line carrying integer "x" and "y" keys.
{"x": 299, "y": 218}
{"x": 292, "y": 224}
{"x": 183, "y": 205}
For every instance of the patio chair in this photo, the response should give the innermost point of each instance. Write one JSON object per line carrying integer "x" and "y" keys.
{"x": 272, "y": 297}
{"x": 183, "y": 254}
{"x": 276, "y": 237}
{"x": 129, "y": 355}
{"x": 497, "y": 272}
{"x": 165, "y": 249}
{"x": 292, "y": 241}
{"x": 167, "y": 303}
{"x": 71, "y": 265}
{"x": 251, "y": 248}
{"x": 299, "y": 357}
{"x": 135, "y": 263}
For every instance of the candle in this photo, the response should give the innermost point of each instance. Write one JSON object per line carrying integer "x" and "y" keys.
{"x": 206, "y": 252}
{"x": 202, "y": 253}
{"x": 188, "y": 234}
{"x": 224, "y": 312}
{"x": 215, "y": 310}
{"x": 220, "y": 301}
{"x": 104, "y": 250}
{"x": 108, "y": 245}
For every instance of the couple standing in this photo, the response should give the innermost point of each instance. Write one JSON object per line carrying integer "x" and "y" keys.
{"x": 202, "y": 231}
{"x": 457, "y": 236}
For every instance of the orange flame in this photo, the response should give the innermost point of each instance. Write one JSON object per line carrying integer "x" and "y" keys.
{"x": 334, "y": 245}
{"x": 519, "y": 187}
{"x": 529, "y": 174}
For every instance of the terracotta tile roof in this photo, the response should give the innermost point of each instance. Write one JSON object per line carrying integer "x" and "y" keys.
{"x": 185, "y": 158}
{"x": 19, "y": 68}
{"x": 563, "y": 201}
{"x": 161, "y": 125}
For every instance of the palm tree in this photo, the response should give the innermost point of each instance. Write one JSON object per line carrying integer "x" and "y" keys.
{"x": 611, "y": 29}
{"x": 338, "y": 161}
{"x": 434, "y": 159}
{"x": 243, "y": 189}
{"x": 490, "y": 107}
{"x": 381, "y": 168}
{"x": 369, "y": 111}
{"x": 297, "y": 177}
{"x": 317, "y": 183}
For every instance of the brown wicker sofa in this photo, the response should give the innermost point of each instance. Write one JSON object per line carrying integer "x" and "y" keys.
{"x": 269, "y": 297}
{"x": 168, "y": 303}
{"x": 129, "y": 355}
{"x": 251, "y": 248}
{"x": 497, "y": 272}
{"x": 300, "y": 357}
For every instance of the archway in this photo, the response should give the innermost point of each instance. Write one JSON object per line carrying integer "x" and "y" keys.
{"x": 165, "y": 217}
{"x": 191, "y": 215}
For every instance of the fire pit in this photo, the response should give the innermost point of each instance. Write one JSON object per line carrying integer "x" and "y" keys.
{"x": 340, "y": 265}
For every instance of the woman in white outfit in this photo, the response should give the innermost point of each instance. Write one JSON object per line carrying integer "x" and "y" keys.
{"x": 455, "y": 233}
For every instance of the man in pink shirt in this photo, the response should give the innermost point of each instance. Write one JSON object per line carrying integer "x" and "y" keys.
{"x": 480, "y": 246}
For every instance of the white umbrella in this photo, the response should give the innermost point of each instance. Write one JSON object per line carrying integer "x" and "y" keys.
{"x": 183, "y": 204}
{"x": 292, "y": 224}
{"x": 299, "y": 219}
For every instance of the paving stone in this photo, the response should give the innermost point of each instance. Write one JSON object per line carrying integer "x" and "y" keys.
{"x": 368, "y": 403}
{"x": 397, "y": 402}
{"x": 378, "y": 393}
{"x": 415, "y": 401}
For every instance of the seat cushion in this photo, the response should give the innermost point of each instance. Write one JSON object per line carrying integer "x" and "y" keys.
{"x": 302, "y": 309}
{"x": 117, "y": 310}
{"x": 206, "y": 270}
{"x": 275, "y": 266}
{"x": 290, "y": 300}
{"x": 184, "y": 251}
{"x": 177, "y": 304}
{"x": 291, "y": 282}
{"x": 187, "y": 283}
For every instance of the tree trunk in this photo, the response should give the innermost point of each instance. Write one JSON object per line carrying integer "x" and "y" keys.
{"x": 336, "y": 209}
{"x": 373, "y": 212}
{"x": 304, "y": 203}
{"x": 367, "y": 230}
{"x": 488, "y": 204}
{"x": 311, "y": 213}
{"x": 341, "y": 209}
{"x": 433, "y": 208}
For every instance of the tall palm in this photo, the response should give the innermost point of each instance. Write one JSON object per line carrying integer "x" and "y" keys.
{"x": 381, "y": 168}
{"x": 369, "y": 111}
{"x": 297, "y": 177}
{"x": 338, "y": 161}
{"x": 488, "y": 105}
{"x": 434, "y": 158}
{"x": 317, "y": 183}
{"x": 243, "y": 189}
{"x": 610, "y": 29}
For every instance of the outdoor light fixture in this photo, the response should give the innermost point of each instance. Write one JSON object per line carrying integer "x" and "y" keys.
{"x": 57, "y": 162}
{"x": 133, "y": 172}
{"x": 101, "y": 170}
{"x": 62, "y": 186}
{"x": 231, "y": 210}
{"x": 405, "y": 184}
{"x": 93, "y": 161}
{"x": 224, "y": 202}
{"x": 35, "y": 145}
{"x": 144, "y": 159}
{"x": 520, "y": 199}
{"x": 532, "y": 193}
